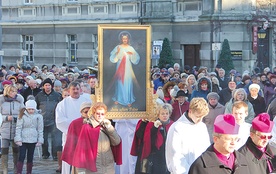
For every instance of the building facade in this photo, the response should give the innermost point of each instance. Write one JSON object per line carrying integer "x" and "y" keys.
{"x": 65, "y": 31}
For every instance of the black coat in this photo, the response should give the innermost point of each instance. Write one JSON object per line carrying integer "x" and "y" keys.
{"x": 223, "y": 83}
{"x": 224, "y": 96}
{"x": 258, "y": 104}
{"x": 208, "y": 163}
{"x": 257, "y": 160}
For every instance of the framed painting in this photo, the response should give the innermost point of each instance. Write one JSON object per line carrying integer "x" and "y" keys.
{"x": 124, "y": 71}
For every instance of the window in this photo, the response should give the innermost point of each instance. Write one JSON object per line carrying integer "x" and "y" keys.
{"x": 98, "y": 9}
{"x": 127, "y": 8}
{"x": 71, "y": 10}
{"x": 26, "y": 12}
{"x": 28, "y": 45}
{"x": 72, "y": 0}
{"x": 72, "y": 48}
{"x": 189, "y": 7}
{"x": 28, "y": 1}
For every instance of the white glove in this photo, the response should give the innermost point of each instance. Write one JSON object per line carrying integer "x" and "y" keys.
{"x": 106, "y": 123}
{"x": 157, "y": 123}
{"x": 38, "y": 144}
{"x": 19, "y": 143}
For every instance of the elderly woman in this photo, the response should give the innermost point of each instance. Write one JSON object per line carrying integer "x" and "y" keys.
{"x": 92, "y": 137}
{"x": 240, "y": 95}
{"x": 255, "y": 99}
{"x": 149, "y": 142}
{"x": 10, "y": 105}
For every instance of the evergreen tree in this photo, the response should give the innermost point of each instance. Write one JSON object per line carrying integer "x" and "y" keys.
{"x": 225, "y": 58}
{"x": 166, "y": 54}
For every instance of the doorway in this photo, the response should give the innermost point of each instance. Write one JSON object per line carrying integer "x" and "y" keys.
{"x": 191, "y": 55}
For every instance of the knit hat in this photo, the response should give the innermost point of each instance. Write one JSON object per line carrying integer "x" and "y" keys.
{"x": 6, "y": 82}
{"x": 38, "y": 81}
{"x": 213, "y": 95}
{"x": 262, "y": 123}
{"x": 51, "y": 76}
{"x": 30, "y": 104}
{"x": 57, "y": 83}
{"x": 226, "y": 124}
{"x": 47, "y": 81}
{"x": 85, "y": 105}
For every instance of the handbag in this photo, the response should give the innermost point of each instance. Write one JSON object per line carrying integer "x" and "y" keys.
{"x": 147, "y": 164}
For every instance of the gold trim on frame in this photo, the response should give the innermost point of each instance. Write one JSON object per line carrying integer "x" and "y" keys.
{"x": 150, "y": 97}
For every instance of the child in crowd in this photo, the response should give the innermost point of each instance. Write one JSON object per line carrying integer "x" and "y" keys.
{"x": 29, "y": 134}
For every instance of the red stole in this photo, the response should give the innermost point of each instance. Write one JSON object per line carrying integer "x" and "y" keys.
{"x": 136, "y": 141}
{"x": 82, "y": 146}
{"x": 147, "y": 138}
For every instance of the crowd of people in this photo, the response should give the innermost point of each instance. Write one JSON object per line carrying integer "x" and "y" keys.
{"x": 206, "y": 122}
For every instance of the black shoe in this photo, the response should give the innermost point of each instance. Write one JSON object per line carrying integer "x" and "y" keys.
{"x": 55, "y": 158}
{"x": 45, "y": 156}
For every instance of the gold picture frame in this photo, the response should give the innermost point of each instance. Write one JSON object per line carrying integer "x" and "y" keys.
{"x": 124, "y": 71}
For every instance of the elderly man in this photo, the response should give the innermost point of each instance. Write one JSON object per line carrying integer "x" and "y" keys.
{"x": 226, "y": 93}
{"x": 31, "y": 90}
{"x": 259, "y": 154}
{"x": 215, "y": 109}
{"x": 68, "y": 110}
{"x": 187, "y": 138}
{"x": 221, "y": 156}
{"x": 222, "y": 79}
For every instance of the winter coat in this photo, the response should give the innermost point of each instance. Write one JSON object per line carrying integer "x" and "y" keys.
{"x": 29, "y": 129}
{"x": 209, "y": 119}
{"x": 271, "y": 110}
{"x": 107, "y": 137}
{"x": 185, "y": 143}
{"x": 268, "y": 92}
{"x": 199, "y": 92}
{"x": 224, "y": 96}
{"x": 223, "y": 83}
{"x": 251, "y": 113}
{"x": 257, "y": 160}
{"x": 9, "y": 106}
{"x": 258, "y": 104}
{"x": 30, "y": 91}
{"x": 47, "y": 104}
{"x": 208, "y": 163}
{"x": 179, "y": 110}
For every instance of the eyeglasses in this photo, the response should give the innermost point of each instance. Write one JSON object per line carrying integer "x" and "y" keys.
{"x": 236, "y": 139}
{"x": 56, "y": 74}
{"x": 263, "y": 137}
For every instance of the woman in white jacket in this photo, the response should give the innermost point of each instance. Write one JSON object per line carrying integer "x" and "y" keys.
{"x": 28, "y": 135}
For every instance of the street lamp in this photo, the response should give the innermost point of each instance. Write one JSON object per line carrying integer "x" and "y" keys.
{"x": 261, "y": 36}
{"x": 261, "y": 33}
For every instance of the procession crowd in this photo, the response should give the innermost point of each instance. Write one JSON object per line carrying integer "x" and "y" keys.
{"x": 207, "y": 122}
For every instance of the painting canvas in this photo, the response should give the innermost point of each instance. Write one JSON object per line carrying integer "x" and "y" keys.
{"x": 124, "y": 67}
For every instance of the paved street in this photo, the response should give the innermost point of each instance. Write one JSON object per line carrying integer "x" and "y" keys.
{"x": 41, "y": 166}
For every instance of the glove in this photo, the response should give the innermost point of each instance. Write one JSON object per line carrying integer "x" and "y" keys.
{"x": 19, "y": 143}
{"x": 106, "y": 123}
{"x": 38, "y": 144}
{"x": 157, "y": 123}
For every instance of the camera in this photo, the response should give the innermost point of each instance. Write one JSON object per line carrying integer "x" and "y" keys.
{"x": 15, "y": 119}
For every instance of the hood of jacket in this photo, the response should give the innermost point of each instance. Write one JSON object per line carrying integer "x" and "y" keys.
{"x": 209, "y": 84}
